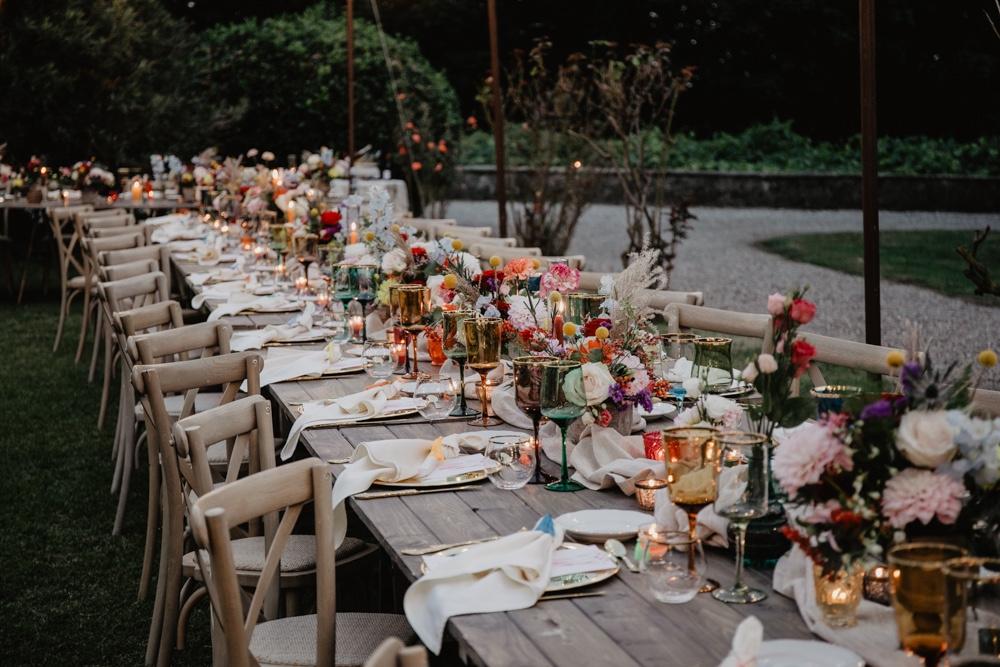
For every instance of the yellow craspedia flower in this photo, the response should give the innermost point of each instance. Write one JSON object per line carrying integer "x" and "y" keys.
{"x": 314, "y": 212}
{"x": 602, "y": 333}
{"x": 457, "y": 245}
{"x": 450, "y": 281}
{"x": 536, "y": 263}
{"x": 569, "y": 330}
{"x": 895, "y": 359}
{"x": 495, "y": 261}
{"x": 987, "y": 358}
{"x": 369, "y": 235}
{"x": 555, "y": 297}
{"x": 395, "y": 229}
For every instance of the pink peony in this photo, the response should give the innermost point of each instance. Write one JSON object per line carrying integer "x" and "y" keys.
{"x": 921, "y": 494}
{"x": 807, "y": 454}
{"x": 559, "y": 278}
{"x": 776, "y": 304}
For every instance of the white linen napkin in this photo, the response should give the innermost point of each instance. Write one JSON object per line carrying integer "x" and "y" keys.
{"x": 257, "y": 338}
{"x": 387, "y": 461}
{"x": 175, "y": 230}
{"x": 712, "y": 528}
{"x": 682, "y": 371}
{"x": 476, "y": 441}
{"x": 163, "y": 219}
{"x": 510, "y": 573}
{"x": 746, "y": 644}
{"x": 365, "y": 404}
{"x": 603, "y": 458}
{"x": 283, "y": 364}
{"x": 240, "y": 301}
{"x": 216, "y": 275}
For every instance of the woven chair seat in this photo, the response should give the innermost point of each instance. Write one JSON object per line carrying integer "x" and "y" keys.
{"x": 288, "y": 642}
{"x": 203, "y": 401}
{"x": 300, "y": 554}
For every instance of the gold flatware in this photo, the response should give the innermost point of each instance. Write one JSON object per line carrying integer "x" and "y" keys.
{"x": 371, "y": 495}
{"x": 567, "y": 596}
{"x": 434, "y": 548}
{"x": 346, "y": 459}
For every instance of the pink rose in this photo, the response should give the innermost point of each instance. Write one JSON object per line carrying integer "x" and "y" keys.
{"x": 776, "y": 304}
{"x": 802, "y": 311}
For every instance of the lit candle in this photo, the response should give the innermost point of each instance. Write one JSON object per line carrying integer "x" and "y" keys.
{"x": 301, "y": 284}
{"x": 399, "y": 353}
{"x": 258, "y": 252}
{"x": 224, "y": 229}
{"x": 136, "y": 190}
{"x": 290, "y": 212}
{"x": 354, "y": 232}
{"x": 557, "y": 323}
{"x": 323, "y": 298}
{"x": 645, "y": 492}
{"x": 275, "y": 178}
{"x": 279, "y": 271}
{"x": 246, "y": 244}
{"x": 356, "y": 323}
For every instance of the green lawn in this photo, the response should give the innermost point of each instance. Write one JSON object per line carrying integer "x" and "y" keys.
{"x": 925, "y": 258}
{"x": 67, "y": 588}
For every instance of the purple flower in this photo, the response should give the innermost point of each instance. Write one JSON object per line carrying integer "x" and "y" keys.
{"x": 881, "y": 409}
{"x": 645, "y": 399}
{"x": 910, "y": 373}
{"x": 617, "y": 394}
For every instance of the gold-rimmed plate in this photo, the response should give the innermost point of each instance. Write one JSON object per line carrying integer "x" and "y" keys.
{"x": 455, "y": 480}
{"x": 290, "y": 307}
{"x": 563, "y": 582}
{"x": 389, "y": 414}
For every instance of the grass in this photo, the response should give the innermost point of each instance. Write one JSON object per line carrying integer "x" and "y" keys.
{"x": 68, "y": 588}
{"x": 924, "y": 258}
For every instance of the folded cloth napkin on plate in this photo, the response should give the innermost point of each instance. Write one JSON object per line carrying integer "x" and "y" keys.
{"x": 175, "y": 231}
{"x": 604, "y": 457}
{"x": 386, "y": 461}
{"x": 283, "y": 364}
{"x": 712, "y": 528}
{"x": 375, "y": 324}
{"x": 366, "y": 404}
{"x": 258, "y": 338}
{"x": 476, "y": 441}
{"x": 873, "y": 638}
{"x": 188, "y": 246}
{"x": 746, "y": 644}
{"x": 240, "y": 301}
{"x": 216, "y": 275}
{"x": 223, "y": 291}
{"x": 163, "y": 219}
{"x": 510, "y": 573}
{"x": 682, "y": 371}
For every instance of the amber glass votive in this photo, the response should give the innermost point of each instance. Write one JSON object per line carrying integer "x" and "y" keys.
{"x": 645, "y": 492}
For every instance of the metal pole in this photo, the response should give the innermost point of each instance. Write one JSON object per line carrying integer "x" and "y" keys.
{"x": 350, "y": 84}
{"x": 869, "y": 174}
{"x": 498, "y": 119}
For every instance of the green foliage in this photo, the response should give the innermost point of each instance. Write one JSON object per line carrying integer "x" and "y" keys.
{"x": 80, "y": 78}
{"x": 284, "y": 81}
{"x": 776, "y": 147}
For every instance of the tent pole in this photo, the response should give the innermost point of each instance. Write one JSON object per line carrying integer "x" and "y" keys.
{"x": 869, "y": 173}
{"x": 498, "y": 119}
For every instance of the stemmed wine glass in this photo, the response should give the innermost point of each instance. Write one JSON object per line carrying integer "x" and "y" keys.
{"x": 368, "y": 277}
{"x": 528, "y": 397}
{"x": 744, "y": 455}
{"x": 483, "y": 338}
{"x": 345, "y": 288}
{"x": 559, "y": 408}
{"x": 413, "y": 302}
{"x": 691, "y": 457}
{"x": 454, "y": 348}
{"x": 398, "y": 334}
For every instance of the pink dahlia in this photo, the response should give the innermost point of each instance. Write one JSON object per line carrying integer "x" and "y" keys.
{"x": 811, "y": 450}
{"x": 921, "y": 494}
{"x": 559, "y": 278}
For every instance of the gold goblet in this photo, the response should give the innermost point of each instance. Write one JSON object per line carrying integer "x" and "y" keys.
{"x": 414, "y": 305}
{"x": 692, "y": 459}
{"x": 483, "y": 338}
{"x": 528, "y": 397}
{"x": 453, "y": 342}
{"x": 583, "y": 306}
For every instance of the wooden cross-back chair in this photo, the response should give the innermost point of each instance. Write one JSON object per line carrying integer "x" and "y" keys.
{"x": 428, "y": 225}
{"x": 590, "y": 281}
{"x": 321, "y": 639}
{"x": 846, "y": 354}
{"x": 71, "y": 282}
{"x": 681, "y": 316}
{"x": 394, "y": 653}
{"x": 986, "y": 402}
{"x": 139, "y": 267}
{"x": 153, "y": 384}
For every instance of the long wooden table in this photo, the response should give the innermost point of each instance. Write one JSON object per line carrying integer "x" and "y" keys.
{"x": 625, "y": 626}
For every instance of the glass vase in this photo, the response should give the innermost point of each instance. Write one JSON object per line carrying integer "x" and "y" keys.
{"x": 838, "y": 595}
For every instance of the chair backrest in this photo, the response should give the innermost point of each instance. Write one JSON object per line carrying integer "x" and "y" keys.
{"x": 128, "y": 270}
{"x": 986, "y": 402}
{"x": 64, "y": 214}
{"x": 158, "y": 253}
{"x": 102, "y": 213}
{"x": 63, "y": 228}
{"x": 428, "y": 225}
{"x": 129, "y": 293}
{"x": 394, "y": 653}
{"x": 154, "y": 317}
{"x": 848, "y": 354}
{"x": 114, "y": 230}
{"x": 245, "y": 426}
{"x": 473, "y": 235}
{"x": 90, "y": 224}
{"x": 686, "y": 316}
{"x": 182, "y": 343}
{"x": 485, "y": 251}
{"x": 286, "y": 489}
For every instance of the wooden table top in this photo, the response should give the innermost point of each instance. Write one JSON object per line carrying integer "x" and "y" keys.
{"x": 625, "y": 626}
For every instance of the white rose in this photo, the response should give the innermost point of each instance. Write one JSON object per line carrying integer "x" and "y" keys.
{"x": 267, "y": 156}
{"x": 314, "y": 161}
{"x": 590, "y": 387}
{"x": 750, "y": 372}
{"x": 693, "y": 387}
{"x": 716, "y": 407}
{"x": 767, "y": 364}
{"x": 925, "y": 438}
{"x": 394, "y": 261}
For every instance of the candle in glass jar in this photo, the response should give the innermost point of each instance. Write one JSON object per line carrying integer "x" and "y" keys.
{"x": 258, "y": 251}
{"x": 224, "y": 229}
{"x": 136, "y": 190}
{"x": 557, "y": 323}
{"x": 301, "y": 283}
{"x": 246, "y": 244}
{"x": 399, "y": 353}
{"x": 290, "y": 212}
{"x": 279, "y": 271}
{"x": 323, "y": 298}
{"x": 652, "y": 442}
{"x": 645, "y": 492}
{"x": 356, "y": 323}
{"x": 354, "y": 233}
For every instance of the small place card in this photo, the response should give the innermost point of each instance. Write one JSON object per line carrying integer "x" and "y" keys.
{"x": 576, "y": 561}
{"x": 456, "y": 466}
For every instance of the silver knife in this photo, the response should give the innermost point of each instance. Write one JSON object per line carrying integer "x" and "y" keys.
{"x": 370, "y": 495}
{"x": 434, "y": 548}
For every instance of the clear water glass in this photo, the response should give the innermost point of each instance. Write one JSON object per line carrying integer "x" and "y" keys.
{"x": 380, "y": 361}
{"x": 438, "y": 395}
{"x": 673, "y": 563}
{"x": 515, "y": 456}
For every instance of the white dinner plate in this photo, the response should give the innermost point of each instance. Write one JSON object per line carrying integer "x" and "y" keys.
{"x": 805, "y": 653}
{"x": 659, "y": 411}
{"x": 561, "y": 583}
{"x": 738, "y": 388}
{"x": 600, "y": 525}
{"x": 277, "y": 308}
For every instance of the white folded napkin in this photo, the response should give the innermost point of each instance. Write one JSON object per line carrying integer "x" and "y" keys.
{"x": 450, "y": 369}
{"x": 215, "y": 275}
{"x": 221, "y": 291}
{"x": 746, "y": 644}
{"x": 375, "y": 324}
{"x": 604, "y": 458}
{"x": 256, "y": 339}
{"x": 510, "y": 573}
{"x": 387, "y": 461}
{"x": 176, "y": 230}
{"x": 682, "y": 371}
{"x": 712, "y": 528}
{"x": 283, "y": 364}
{"x": 163, "y": 219}
{"x": 476, "y": 441}
{"x": 241, "y": 301}
{"x": 366, "y": 404}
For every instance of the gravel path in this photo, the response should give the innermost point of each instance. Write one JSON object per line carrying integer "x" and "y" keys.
{"x": 719, "y": 259}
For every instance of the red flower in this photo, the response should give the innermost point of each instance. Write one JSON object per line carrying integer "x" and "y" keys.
{"x": 329, "y": 218}
{"x": 604, "y": 418}
{"x": 798, "y": 538}
{"x": 243, "y": 189}
{"x": 418, "y": 253}
{"x": 846, "y": 518}
{"x": 802, "y": 311}
{"x": 802, "y": 354}
{"x": 590, "y": 328}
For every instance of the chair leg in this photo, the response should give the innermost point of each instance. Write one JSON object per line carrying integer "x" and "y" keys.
{"x": 171, "y": 591}
{"x": 63, "y": 309}
{"x": 85, "y": 324}
{"x": 156, "y": 622}
{"x": 185, "y": 614}
{"x": 106, "y": 386}
{"x": 126, "y": 481}
{"x": 27, "y": 260}
{"x": 98, "y": 330}
{"x": 152, "y": 516}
